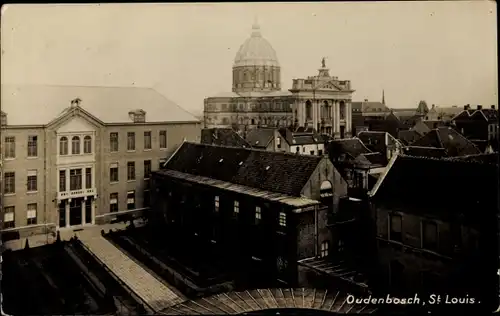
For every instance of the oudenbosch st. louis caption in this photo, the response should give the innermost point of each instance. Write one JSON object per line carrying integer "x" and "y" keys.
{"x": 388, "y": 299}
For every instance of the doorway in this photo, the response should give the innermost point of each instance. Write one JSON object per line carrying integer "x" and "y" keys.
{"x": 62, "y": 214}
{"x": 88, "y": 211}
{"x": 342, "y": 132}
{"x": 75, "y": 212}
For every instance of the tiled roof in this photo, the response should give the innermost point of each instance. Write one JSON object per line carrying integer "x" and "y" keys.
{"x": 448, "y": 184}
{"x": 434, "y": 124}
{"x": 376, "y": 158}
{"x": 352, "y": 146}
{"x": 222, "y": 137}
{"x": 40, "y": 104}
{"x": 421, "y": 128}
{"x": 409, "y": 136}
{"x": 301, "y": 136}
{"x": 265, "y": 170}
{"x": 449, "y": 139}
{"x": 424, "y": 151}
{"x": 260, "y": 137}
{"x": 487, "y": 114}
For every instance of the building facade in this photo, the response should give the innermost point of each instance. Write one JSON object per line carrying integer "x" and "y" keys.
{"x": 85, "y": 157}
{"x": 322, "y": 102}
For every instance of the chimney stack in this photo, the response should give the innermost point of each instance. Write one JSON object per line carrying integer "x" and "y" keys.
{"x": 465, "y": 108}
{"x": 366, "y": 100}
{"x": 492, "y": 106}
{"x": 479, "y": 107}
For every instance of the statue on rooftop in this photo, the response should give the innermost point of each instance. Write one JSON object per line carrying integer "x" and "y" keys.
{"x": 323, "y": 62}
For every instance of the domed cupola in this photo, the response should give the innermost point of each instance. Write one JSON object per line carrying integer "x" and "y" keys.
{"x": 256, "y": 67}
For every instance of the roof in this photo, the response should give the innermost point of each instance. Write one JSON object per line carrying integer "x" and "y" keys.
{"x": 278, "y": 172}
{"x": 108, "y": 104}
{"x": 421, "y": 128}
{"x": 450, "y": 185}
{"x": 260, "y": 137}
{"x": 375, "y": 141}
{"x": 446, "y": 137}
{"x": 491, "y": 158}
{"x": 268, "y": 195}
{"x": 222, "y": 137}
{"x": 256, "y": 51}
{"x": 487, "y": 114}
{"x": 409, "y": 136}
{"x": 368, "y": 106}
{"x": 352, "y": 146}
{"x": 424, "y": 151}
{"x": 375, "y": 158}
{"x": 433, "y": 123}
{"x": 422, "y": 107}
{"x": 252, "y": 94}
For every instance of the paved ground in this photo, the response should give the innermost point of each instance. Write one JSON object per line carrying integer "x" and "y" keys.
{"x": 156, "y": 294}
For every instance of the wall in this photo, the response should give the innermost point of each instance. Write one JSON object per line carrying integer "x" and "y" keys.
{"x": 307, "y": 149}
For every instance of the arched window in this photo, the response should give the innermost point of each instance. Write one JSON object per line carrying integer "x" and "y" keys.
{"x": 75, "y": 145}
{"x": 63, "y": 146}
{"x": 308, "y": 110}
{"x": 326, "y": 189}
{"x": 87, "y": 145}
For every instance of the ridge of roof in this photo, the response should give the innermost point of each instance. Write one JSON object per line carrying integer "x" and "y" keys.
{"x": 381, "y": 178}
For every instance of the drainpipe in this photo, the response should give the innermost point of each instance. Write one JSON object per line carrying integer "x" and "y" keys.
{"x": 316, "y": 231}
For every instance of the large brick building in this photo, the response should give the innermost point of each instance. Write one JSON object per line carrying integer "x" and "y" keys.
{"x": 73, "y": 156}
{"x": 251, "y": 210}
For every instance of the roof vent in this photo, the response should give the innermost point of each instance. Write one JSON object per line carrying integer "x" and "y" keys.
{"x": 137, "y": 116}
{"x": 267, "y": 168}
{"x": 221, "y": 160}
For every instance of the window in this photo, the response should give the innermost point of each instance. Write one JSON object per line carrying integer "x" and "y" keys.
{"x": 146, "y": 199}
{"x": 88, "y": 178}
{"x": 320, "y": 152}
{"x": 303, "y": 149}
{"x": 113, "y": 202}
{"x": 87, "y": 145}
{"x": 312, "y": 152}
{"x": 10, "y": 147}
{"x": 32, "y": 146}
{"x": 395, "y": 227}
{"x": 10, "y": 182}
{"x": 297, "y": 149}
{"x": 340, "y": 245}
{"x": 147, "y": 169}
{"x": 62, "y": 180}
{"x": 130, "y": 170}
{"x": 282, "y": 219}
{"x": 163, "y": 139}
{"x": 113, "y": 172}
{"x": 8, "y": 217}
{"x": 278, "y": 142}
{"x": 429, "y": 235}
{"x": 75, "y": 179}
{"x": 325, "y": 245}
{"x": 236, "y": 207}
{"x": 113, "y": 142}
{"x": 75, "y": 145}
{"x": 130, "y": 200}
{"x": 32, "y": 181}
{"x": 147, "y": 140}
{"x": 31, "y": 215}
{"x": 258, "y": 215}
{"x": 131, "y": 141}
{"x": 216, "y": 209}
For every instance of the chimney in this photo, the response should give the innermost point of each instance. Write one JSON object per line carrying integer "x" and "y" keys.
{"x": 366, "y": 100}
{"x": 479, "y": 107}
{"x": 492, "y": 106}
{"x": 433, "y": 106}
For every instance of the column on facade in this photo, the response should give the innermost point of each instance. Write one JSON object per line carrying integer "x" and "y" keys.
{"x": 67, "y": 173}
{"x": 349, "y": 117}
{"x": 66, "y": 213}
{"x": 83, "y": 209}
{"x": 92, "y": 210}
{"x": 300, "y": 112}
{"x": 315, "y": 113}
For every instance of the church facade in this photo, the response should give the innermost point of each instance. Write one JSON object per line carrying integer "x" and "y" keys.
{"x": 320, "y": 102}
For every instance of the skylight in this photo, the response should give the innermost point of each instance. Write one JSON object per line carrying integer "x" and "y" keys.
{"x": 241, "y": 162}
{"x": 221, "y": 160}
{"x": 267, "y": 168}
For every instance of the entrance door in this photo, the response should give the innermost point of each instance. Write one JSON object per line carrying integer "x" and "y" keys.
{"x": 75, "y": 212}
{"x": 62, "y": 214}
{"x": 88, "y": 211}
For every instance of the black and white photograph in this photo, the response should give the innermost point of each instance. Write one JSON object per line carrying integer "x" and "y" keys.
{"x": 267, "y": 158}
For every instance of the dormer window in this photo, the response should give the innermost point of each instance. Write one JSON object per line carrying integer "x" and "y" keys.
{"x": 137, "y": 116}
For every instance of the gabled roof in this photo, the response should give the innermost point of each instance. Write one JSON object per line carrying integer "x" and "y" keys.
{"x": 417, "y": 151}
{"x": 448, "y": 184}
{"x": 41, "y": 104}
{"x": 409, "y": 136}
{"x": 446, "y": 137}
{"x": 278, "y": 172}
{"x": 375, "y": 141}
{"x": 352, "y": 146}
{"x": 223, "y": 137}
{"x": 421, "y": 128}
{"x": 260, "y": 137}
{"x": 490, "y": 115}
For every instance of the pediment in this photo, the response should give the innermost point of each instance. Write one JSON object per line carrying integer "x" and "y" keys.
{"x": 76, "y": 123}
{"x": 330, "y": 86}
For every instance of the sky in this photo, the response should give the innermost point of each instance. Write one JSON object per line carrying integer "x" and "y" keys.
{"x": 442, "y": 52}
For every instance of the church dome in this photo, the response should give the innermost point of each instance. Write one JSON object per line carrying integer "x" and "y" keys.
{"x": 256, "y": 51}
